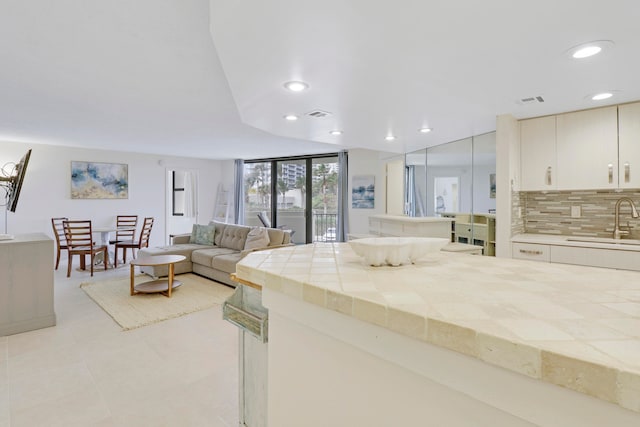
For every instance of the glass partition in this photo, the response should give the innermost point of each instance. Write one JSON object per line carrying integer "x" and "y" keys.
{"x": 449, "y": 178}
{"x": 456, "y": 180}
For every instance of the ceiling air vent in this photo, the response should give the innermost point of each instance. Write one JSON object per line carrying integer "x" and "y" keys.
{"x": 319, "y": 114}
{"x": 531, "y": 100}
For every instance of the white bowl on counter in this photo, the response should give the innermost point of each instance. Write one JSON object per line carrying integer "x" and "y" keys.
{"x": 396, "y": 251}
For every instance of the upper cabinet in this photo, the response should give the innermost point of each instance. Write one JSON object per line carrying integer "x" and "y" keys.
{"x": 587, "y": 149}
{"x": 538, "y": 166}
{"x": 629, "y": 145}
{"x": 572, "y": 151}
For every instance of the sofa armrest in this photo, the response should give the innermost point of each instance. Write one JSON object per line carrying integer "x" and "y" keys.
{"x": 181, "y": 238}
{"x": 245, "y": 252}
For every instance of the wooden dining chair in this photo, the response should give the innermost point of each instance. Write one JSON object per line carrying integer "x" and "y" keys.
{"x": 126, "y": 225}
{"x": 142, "y": 242}
{"x": 58, "y": 233}
{"x": 79, "y": 235}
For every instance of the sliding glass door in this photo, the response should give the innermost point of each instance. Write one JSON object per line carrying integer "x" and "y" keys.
{"x": 290, "y": 195}
{"x": 302, "y": 197}
{"x": 324, "y": 199}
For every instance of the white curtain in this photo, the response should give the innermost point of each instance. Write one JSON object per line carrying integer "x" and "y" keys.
{"x": 190, "y": 195}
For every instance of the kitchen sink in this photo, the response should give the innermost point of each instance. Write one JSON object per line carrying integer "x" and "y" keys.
{"x": 606, "y": 240}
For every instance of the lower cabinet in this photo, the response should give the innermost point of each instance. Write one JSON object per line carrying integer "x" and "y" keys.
{"x": 530, "y": 251}
{"x": 593, "y": 257}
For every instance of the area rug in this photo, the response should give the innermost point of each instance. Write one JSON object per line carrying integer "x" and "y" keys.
{"x": 130, "y": 312}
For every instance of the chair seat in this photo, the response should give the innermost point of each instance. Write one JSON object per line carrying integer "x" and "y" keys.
{"x": 88, "y": 248}
{"x": 82, "y": 249}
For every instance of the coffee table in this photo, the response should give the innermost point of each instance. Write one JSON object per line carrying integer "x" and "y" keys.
{"x": 163, "y": 286}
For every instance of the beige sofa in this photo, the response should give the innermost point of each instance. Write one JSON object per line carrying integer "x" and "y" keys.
{"x": 215, "y": 261}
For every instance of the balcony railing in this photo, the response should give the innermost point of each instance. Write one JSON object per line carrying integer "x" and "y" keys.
{"x": 324, "y": 227}
{"x": 323, "y": 224}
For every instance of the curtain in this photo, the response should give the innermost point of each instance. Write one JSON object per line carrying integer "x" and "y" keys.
{"x": 238, "y": 199}
{"x": 190, "y": 195}
{"x": 342, "y": 232}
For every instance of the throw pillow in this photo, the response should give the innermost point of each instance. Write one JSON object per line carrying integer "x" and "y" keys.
{"x": 257, "y": 238}
{"x": 202, "y": 234}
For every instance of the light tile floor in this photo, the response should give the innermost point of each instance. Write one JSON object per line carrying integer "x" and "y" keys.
{"x": 86, "y": 371}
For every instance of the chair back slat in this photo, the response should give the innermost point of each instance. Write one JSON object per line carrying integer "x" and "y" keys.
{"x": 127, "y": 221}
{"x": 58, "y": 231}
{"x": 145, "y": 233}
{"x": 78, "y": 233}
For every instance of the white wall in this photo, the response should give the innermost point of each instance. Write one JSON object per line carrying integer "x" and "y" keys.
{"x": 46, "y": 190}
{"x": 367, "y": 162}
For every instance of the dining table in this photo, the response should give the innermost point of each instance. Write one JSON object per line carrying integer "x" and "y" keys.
{"x": 105, "y": 238}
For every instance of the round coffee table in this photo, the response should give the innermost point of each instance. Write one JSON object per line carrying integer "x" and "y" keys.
{"x": 163, "y": 286}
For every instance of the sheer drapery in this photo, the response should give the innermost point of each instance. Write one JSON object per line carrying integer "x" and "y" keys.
{"x": 238, "y": 199}
{"x": 190, "y": 195}
{"x": 342, "y": 229}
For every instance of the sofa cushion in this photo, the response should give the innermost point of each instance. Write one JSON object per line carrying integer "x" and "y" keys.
{"x": 257, "y": 238}
{"x": 227, "y": 263}
{"x": 202, "y": 234}
{"x": 220, "y": 226}
{"x": 234, "y": 236}
{"x": 205, "y": 256}
{"x": 275, "y": 236}
{"x": 185, "y": 249}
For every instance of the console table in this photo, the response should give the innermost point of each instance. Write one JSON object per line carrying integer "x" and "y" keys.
{"x": 26, "y": 283}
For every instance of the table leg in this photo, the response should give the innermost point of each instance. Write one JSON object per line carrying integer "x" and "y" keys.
{"x": 170, "y": 278}
{"x": 133, "y": 267}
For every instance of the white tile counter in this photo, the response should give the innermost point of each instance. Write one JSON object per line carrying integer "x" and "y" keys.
{"x": 577, "y": 327}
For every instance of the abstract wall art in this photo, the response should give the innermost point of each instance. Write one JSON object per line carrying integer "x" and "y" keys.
{"x": 363, "y": 192}
{"x": 92, "y": 180}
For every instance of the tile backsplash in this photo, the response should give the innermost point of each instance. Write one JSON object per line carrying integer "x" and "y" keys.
{"x": 550, "y": 212}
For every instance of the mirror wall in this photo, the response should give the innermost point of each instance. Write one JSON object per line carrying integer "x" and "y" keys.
{"x": 456, "y": 180}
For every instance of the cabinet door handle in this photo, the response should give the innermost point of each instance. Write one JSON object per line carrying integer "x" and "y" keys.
{"x": 610, "y": 173}
{"x": 548, "y": 176}
{"x": 627, "y": 172}
{"x": 530, "y": 252}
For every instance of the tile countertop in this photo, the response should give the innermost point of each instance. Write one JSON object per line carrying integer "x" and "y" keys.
{"x": 577, "y": 327}
{"x": 589, "y": 242}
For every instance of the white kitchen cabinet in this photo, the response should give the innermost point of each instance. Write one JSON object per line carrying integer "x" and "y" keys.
{"x": 26, "y": 284}
{"x": 538, "y": 166}
{"x": 607, "y": 258}
{"x": 629, "y": 145}
{"x": 556, "y": 250}
{"x": 530, "y": 251}
{"x": 587, "y": 149}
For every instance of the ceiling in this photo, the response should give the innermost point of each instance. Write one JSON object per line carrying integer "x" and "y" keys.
{"x": 205, "y": 78}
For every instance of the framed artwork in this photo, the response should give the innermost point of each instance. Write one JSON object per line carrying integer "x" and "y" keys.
{"x": 92, "y": 180}
{"x": 492, "y": 185}
{"x": 363, "y": 192}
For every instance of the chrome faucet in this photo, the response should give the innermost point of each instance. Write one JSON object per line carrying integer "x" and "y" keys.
{"x": 617, "y": 232}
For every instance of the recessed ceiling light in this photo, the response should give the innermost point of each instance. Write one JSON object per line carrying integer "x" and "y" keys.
{"x": 336, "y": 132}
{"x": 601, "y": 96}
{"x": 295, "y": 86}
{"x": 585, "y": 50}
{"x": 425, "y": 130}
{"x": 389, "y": 138}
{"x": 291, "y": 117}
